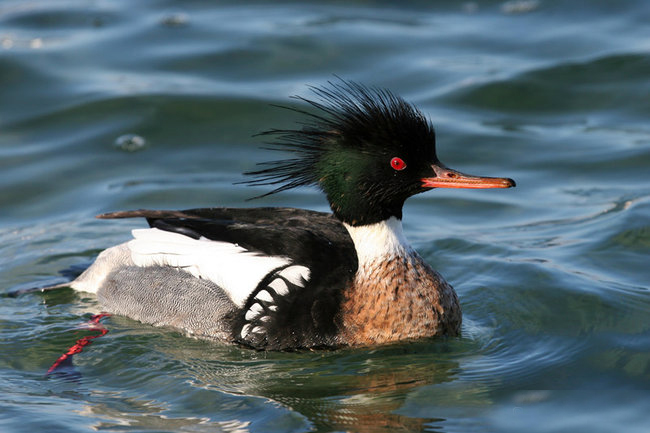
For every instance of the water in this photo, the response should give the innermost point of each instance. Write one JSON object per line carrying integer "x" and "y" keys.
{"x": 553, "y": 275}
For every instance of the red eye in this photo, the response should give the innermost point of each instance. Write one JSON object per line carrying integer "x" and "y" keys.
{"x": 398, "y": 163}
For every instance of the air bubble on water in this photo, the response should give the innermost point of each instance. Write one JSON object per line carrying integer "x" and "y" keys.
{"x": 7, "y": 43}
{"x": 519, "y": 6}
{"x": 130, "y": 142}
{"x": 470, "y": 7}
{"x": 175, "y": 19}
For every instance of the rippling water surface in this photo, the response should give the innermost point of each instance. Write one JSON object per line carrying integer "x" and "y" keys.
{"x": 553, "y": 275}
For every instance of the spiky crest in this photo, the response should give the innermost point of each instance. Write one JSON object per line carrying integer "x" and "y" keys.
{"x": 349, "y": 116}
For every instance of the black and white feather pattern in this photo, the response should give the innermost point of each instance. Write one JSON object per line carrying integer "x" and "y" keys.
{"x": 262, "y": 305}
{"x": 283, "y": 269}
{"x": 233, "y": 268}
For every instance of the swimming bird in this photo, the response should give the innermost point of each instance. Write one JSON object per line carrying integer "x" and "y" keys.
{"x": 284, "y": 278}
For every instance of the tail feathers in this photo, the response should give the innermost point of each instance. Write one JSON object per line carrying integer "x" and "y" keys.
{"x": 19, "y": 292}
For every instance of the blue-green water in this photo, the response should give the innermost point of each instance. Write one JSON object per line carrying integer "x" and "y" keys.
{"x": 553, "y": 276}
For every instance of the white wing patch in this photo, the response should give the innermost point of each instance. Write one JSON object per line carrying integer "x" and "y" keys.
{"x": 233, "y": 268}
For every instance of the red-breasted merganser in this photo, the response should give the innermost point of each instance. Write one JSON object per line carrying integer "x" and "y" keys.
{"x": 282, "y": 278}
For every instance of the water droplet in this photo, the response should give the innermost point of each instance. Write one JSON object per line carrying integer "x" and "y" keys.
{"x": 130, "y": 142}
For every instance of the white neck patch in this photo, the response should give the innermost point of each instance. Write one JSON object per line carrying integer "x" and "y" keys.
{"x": 379, "y": 240}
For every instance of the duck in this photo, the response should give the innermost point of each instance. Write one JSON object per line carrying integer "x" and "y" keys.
{"x": 279, "y": 278}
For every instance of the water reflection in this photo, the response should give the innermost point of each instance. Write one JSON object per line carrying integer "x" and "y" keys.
{"x": 359, "y": 390}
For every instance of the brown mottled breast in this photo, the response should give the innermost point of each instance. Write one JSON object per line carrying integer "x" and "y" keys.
{"x": 400, "y": 297}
